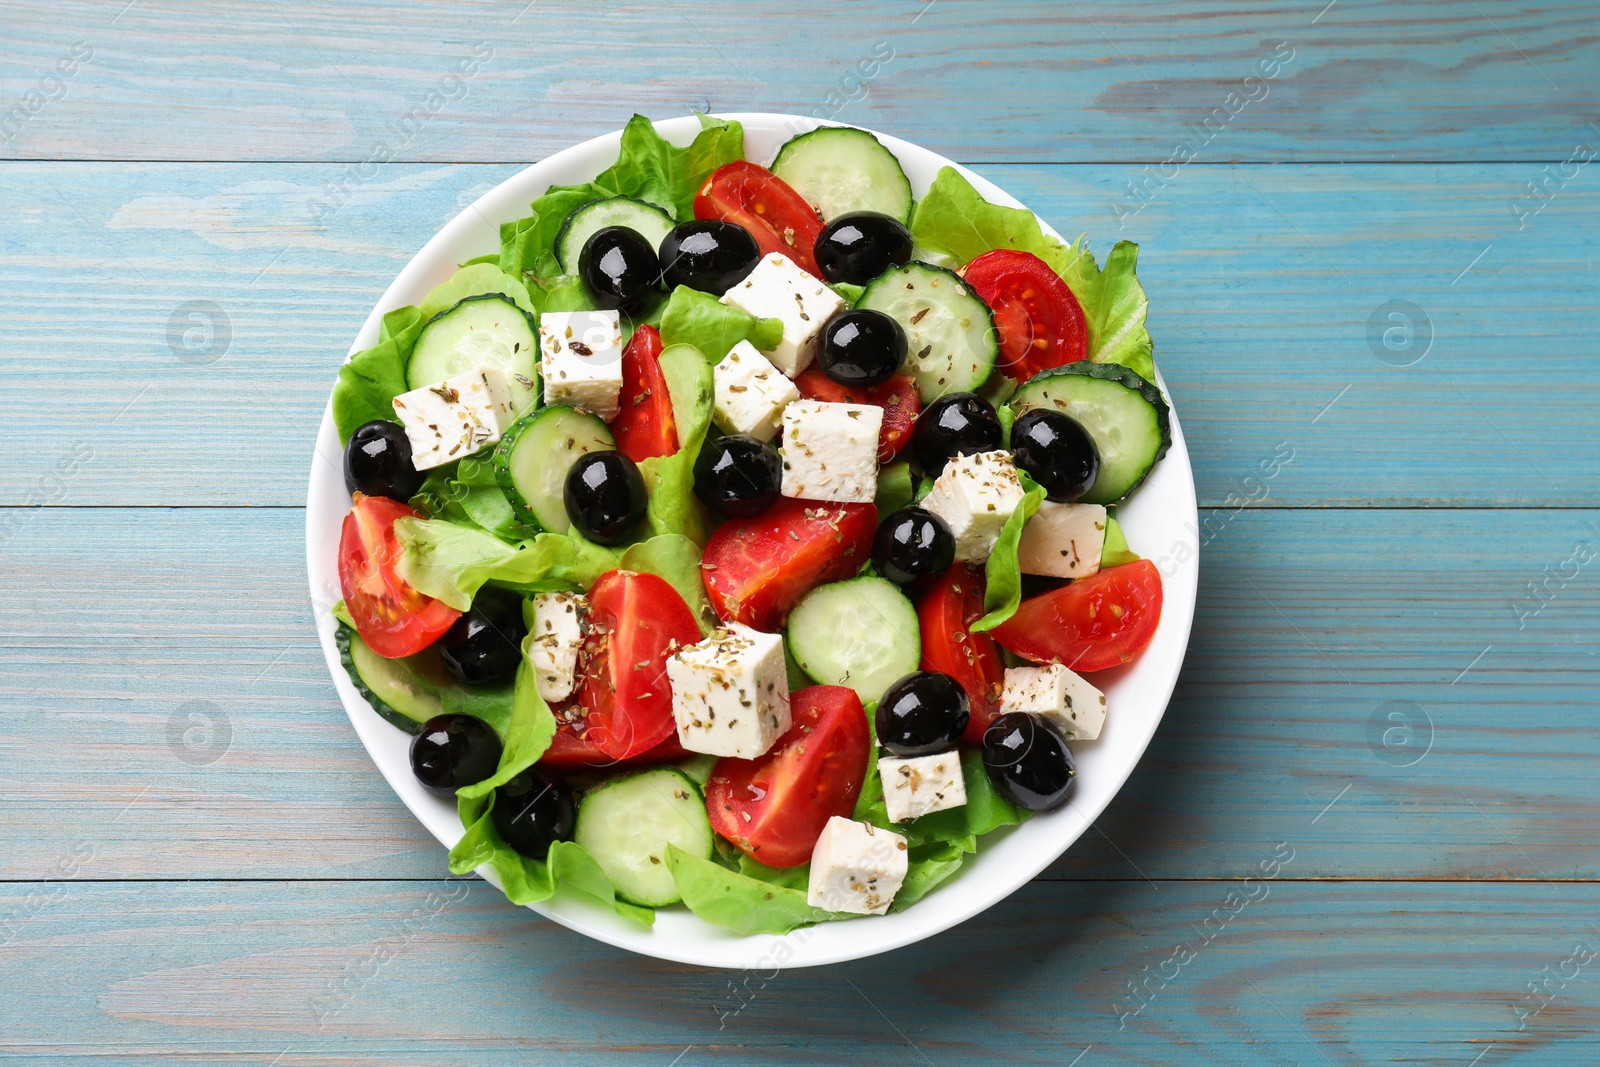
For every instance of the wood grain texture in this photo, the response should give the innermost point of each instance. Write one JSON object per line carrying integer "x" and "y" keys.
{"x": 1039, "y": 81}
{"x": 1310, "y": 624}
{"x": 1263, "y": 283}
{"x": 442, "y": 973}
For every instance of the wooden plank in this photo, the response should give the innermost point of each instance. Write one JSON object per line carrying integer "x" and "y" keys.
{"x": 409, "y": 81}
{"x": 1311, "y": 623}
{"x": 1264, "y": 285}
{"x": 1298, "y": 973}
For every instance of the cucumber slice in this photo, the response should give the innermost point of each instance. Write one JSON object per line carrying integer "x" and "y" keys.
{"x": 647, "y": 220}
{"x": 532, "y": 459}
{"x": 488, "y": 330}
{"x": 627, "y": 823}
{"x": 951, "y": 335}
{"x": 839, "y": 169}
{"x": 1124, "y": 414}
{"x": 861, "y": 633}
{"x": 404, "y": 691}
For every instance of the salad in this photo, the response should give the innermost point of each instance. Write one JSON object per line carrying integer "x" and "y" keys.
{"x": 743, "y": 537}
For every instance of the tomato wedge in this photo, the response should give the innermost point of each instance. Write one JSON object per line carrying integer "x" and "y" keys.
{"x": 774, "y": 808}
{"x": 944, "y": 611}
{"x": 1090, "y": 624}
{"x": 1040, "y": 322}
{"x": 635, "y": 622}
{"x": 392, "y": 618}
{"x": 756, "y": 569}
{"x": 643, "y": 426}
{"x": 777, "y": 217}
{"x": 897, "y": 397}
{"x": 571, "y": 749}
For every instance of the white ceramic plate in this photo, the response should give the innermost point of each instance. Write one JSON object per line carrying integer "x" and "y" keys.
{"x": 1160, "y": 521}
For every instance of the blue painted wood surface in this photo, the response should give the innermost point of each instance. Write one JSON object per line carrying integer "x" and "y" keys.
{"x": 1393, "y": 669}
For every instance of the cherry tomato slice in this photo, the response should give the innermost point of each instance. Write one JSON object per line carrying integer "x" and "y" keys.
{"x": 773, "y": 808}
{"x": 635, "y": 622}
{"x": 756, "y": 569}
{"x": 644, "y": 426}
{"x": 1090, "y": 624}
{"x": 1040, "y": 322}
{"x": 753, "y": 197}
{"x": 897, "y": 397}
{"x": 392, "y": 618}
{"x": 944, "y": 611}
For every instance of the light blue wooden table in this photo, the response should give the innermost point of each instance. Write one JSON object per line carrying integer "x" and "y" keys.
{"x": 1377, "y": 260}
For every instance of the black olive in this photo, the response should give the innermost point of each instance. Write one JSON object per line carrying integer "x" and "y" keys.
{"x": 861, "y": 347}
{"x": 708, "y": 254}
{"x": 1057, "y": 451}
{"x": 531, "y": 813}
{"x": 738, "y": 475}
{"x": 858, "y": 246}
{"x": 605, "y": 497}
{"x": 912, "y": 544}
{"x": 485, "y": 643}
{"x": 957, "y": 424}
{"x": 620, "y": 270}
{"x": 1028, "y": 761}
{"x": 921, "y": 714}
{"x": 377, "y": 462}
{"x": 454, "y": 751}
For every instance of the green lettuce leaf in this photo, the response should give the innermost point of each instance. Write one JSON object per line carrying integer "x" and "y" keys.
{"x": 739, "y": 902}
{"x": 677, "y": 559}
{"x": 1117, "y": 332}
{"x": 895, "y": 489}
{"x": 525, "y": 736}
{"x": 1002, "y": 590}
{"x": 527, "y": 881}
{"x": 1116, "y": 550}
{"x": 375, "y": 376}
{"x": 954, "y": 221}
{"x": 673, "y": 507}
{"x": 648, "y": 168}
{"x": 926, "y": 867}
{"x": 849, "y": 292}
{"x": 451, "y": 562}
{"x": 477, "y": 492}
{"x": 691, "y": 317}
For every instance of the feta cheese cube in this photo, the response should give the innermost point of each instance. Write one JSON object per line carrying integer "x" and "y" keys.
{"x": 581, "y": 360}
{"x": 830, "y": 451}
{"x": 553, "y": 642}
{"x": 780, "y": 289}
{"x": 856, "y": 867}
{"x": 1053, "y": 692}
{"x": 914, "y": 787}
{"x": 455, "y": 417}
{"x": 750, "y": 393}
{"x": 1063, "y": 540}
{"x": 730, "y": 692}
{"x": 975, "y": 495}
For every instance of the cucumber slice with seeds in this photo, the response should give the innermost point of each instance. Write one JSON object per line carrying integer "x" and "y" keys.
{"x": 951, "y": 338}
{"x": 404, "y": 691}
{"x": 488, "y": 330}
{"x": 839, "y": 169}
{"x": 861, "y": 633}
{"x": 628, "y": 823}
{"x": 647, "y": 220}
{"x": 1123, "y": 413}
{"x": 532, "y": 459}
